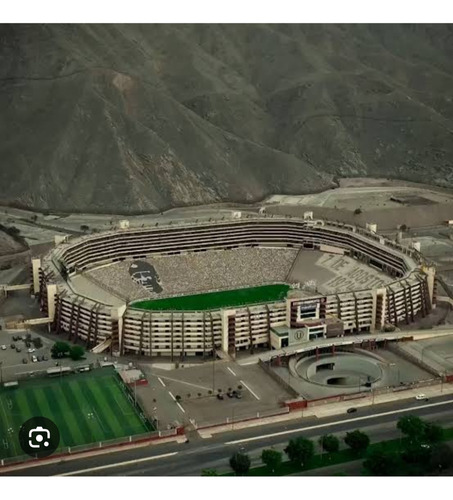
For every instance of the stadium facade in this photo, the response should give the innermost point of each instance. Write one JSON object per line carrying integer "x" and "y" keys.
{"x": 126, "y": 329}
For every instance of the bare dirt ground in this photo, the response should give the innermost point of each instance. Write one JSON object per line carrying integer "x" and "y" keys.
{"x": 8, "y": 245}
{"x": 419, "y": 205}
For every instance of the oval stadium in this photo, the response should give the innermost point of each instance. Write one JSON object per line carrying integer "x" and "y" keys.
{"x": 242, "y": 284}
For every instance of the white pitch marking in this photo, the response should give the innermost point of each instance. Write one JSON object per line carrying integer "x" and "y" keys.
{"x": 161, "y": 381}
{"x": 247, "y": 387}
{"x": 320, "y": 426}
{"x": 119, "y": 464}
{"x": 230, "y": 370}
{"x": 172, "y": 397}
{"x": 181, "y": 408}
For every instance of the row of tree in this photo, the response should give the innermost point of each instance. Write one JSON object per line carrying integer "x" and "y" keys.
{"x": 299, "y": 451}
{"x": 421, "y": 451}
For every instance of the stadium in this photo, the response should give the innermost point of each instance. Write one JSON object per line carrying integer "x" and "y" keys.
{"x": 230, "y": 285}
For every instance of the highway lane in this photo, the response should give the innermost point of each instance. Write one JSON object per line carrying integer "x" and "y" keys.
{"x": 189, "y": 461}
{"x": 190, "y": 458}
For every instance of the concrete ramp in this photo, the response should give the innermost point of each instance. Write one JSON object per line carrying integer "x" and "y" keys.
{"x": 102, "y": 346}
{"x": 37, "y": 321}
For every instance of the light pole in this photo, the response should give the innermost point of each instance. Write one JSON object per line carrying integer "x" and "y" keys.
{"x": 213, "y": 369}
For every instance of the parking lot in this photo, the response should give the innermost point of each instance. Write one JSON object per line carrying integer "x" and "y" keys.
{"x": 16, "y": 364}
{"x": 193, "y": 392}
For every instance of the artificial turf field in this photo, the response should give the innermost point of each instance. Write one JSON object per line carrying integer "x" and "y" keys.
{"x": 86, "y": 407}
{"x": 217, "y": 300}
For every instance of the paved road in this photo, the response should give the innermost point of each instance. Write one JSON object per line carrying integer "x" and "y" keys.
{"x": 190, "y": 458}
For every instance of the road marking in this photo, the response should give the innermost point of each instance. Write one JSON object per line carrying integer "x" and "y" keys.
{"x": 186, "y": 383}
{"x": 172, "y": 397}
{"x": 181, "y": 408}
{"x": 118, "y": 464}
{"x": 320, "y": 426}
{"x": 247, "y": 387}
{"x": 230, "y": 370}
{"x": 161, "y": 381}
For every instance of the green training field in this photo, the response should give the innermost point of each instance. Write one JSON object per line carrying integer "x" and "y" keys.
{"x": 217, "y": 300}
{"x": 86, "y": 407}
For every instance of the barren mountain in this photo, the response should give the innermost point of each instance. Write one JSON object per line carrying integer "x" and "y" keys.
{"x": 145, "y": 117}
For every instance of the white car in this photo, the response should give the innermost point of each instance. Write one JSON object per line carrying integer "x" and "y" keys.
{"x": 34, "y": 359}
{"x": 3, "y": 347}
{"x": 421, "y": 397}
{"x": 31, "y": 350}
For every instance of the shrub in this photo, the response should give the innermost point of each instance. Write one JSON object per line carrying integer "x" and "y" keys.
{"x": 240, "y": 463}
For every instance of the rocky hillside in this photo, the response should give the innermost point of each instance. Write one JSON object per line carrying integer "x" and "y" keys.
{"x": 142, "y": 118}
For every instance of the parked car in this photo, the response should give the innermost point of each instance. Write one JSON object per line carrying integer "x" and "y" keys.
{"x": 28, "y": 344}
{"x": 230, "y": 394}
{"x": 3, "y": 347}
{"x": 39, "y": 358}
{"x": 18, "y": 349}
{"x": 13, "y": 346}
{"x": 351, "y": 410}
{"x": 34, "y": 359}
{"x": 31, "y": 350}
{"x": 14, "y": 338}
{"x": 220, "y": 396}
{"x": 24, "y": 361}
{"x": 238, "y": 395}
{"x": 421, "y": 397}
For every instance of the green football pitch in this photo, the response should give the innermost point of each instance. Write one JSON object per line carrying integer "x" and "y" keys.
{"x": 217, "y": 300}
{"x": 86, "y": 407}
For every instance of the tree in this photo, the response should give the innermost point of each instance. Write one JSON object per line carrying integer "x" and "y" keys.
{"x": 76, "y": 352}
{"x": 381, "y": 463}
{"x": 60, "y": 349}
{"x": 412, "y": 426}
{"x": 178, "y": 398}
{"x": 357, "y": 211}
{"x": 441, "y": 457}
{"x": 240, "y": 463}
{"x": 272, "y": 459}
{"x": 357, "y": 440}
{"x": 209, "y": 472}
{"x": 300, "y": 450}
{"x": 84, "y": 227}
{"x": 433, "y": 432}
{"x": 329, "y": 443}
{"x": 417, "y": 455}
{"x": 37, "y": 342}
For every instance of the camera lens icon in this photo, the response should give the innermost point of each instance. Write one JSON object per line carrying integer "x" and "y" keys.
{"x": 39, "y": 437}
